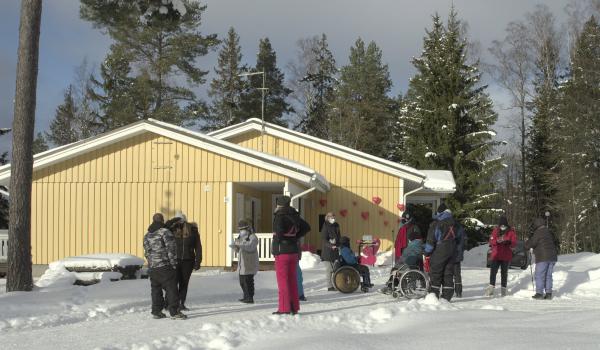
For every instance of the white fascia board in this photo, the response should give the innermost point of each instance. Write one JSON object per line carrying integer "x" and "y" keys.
{"x": 322, "y": 145}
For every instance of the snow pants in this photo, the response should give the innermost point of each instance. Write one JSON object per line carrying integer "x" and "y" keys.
{"x": 543, "y": 276}
{"x": 365, "y": 274}
{"x": 457, "y": 279}
{"x": 287, "y": 284}
{"x": 299, "y": 280}
{"x": 503, "y": 265}
{"x": 329, "y": 273}
{"x": 164, "y": 278}
{"x": 184, "y": 272}
{"x": 442, "y": 269}
{"x": 247, "y": 284}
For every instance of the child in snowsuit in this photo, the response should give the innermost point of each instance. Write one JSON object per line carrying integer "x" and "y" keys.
{"x": 246, "y": 246}
{"x": 349, "y": 258}
{"x": 444, "y": 239}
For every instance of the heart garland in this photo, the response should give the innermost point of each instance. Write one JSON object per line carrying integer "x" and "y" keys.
{"x": 365, "y": 215}
{"x": 376, "y": 200}
{"x": 343, "y": 212}
{"x": 400, "y": 206}
{"x": 323, "y": 202}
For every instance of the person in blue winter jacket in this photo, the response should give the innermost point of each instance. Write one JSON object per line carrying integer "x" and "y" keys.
{"x": 349, "y": 258}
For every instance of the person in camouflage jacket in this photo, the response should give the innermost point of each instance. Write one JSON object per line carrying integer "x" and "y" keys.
{"x": 161, "y": 252}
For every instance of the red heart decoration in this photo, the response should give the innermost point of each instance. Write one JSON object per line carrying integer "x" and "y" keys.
{"x": 365, "y": 215}
{"x": 380, "y": 211}
{"x": 385, "y": 222}
{"x": 376, "y": 200}
{"x": 343, "y": 212}
{"x": 354, "y": 203}
{"x": 323, "y": 202}
{"x": 400, "y": 206}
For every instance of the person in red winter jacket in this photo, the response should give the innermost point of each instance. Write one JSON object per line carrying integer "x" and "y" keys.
{"x": 407, "y": 229}
{"x": 502, "y": 240}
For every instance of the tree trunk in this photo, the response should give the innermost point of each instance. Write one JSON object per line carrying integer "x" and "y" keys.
{"x": 19, "y": 243}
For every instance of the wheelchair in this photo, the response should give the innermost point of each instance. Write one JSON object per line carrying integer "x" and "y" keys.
{"x": 346, "y": 278}
{"x": 411, "y": 282}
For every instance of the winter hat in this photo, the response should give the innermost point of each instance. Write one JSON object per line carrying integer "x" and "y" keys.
{"x": 283, "y": 201}
{"x": 180, "y": 215}
{"x": 158, "y": 218}
{"x": 442, "y": 208}
{"x": 503, "y": 221}
{"x": 345, "y": 241}
{"x": 243, "y": 223}
{"x": 406, "y": 215}
{"x": 413, "y": 234}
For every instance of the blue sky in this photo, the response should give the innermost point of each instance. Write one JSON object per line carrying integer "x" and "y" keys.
{"x": 396, "y": 26}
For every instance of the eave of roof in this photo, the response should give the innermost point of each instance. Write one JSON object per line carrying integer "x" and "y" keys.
{"x": 384, "y": 165}
{"x": 286, "y": 167}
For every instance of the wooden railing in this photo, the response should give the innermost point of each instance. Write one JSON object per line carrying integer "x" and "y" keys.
{"x": 3, "y": 244}
{"x": 264, "y": 247}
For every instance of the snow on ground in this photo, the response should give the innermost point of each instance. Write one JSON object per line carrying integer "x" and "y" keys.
{"x": 117, "y": 316}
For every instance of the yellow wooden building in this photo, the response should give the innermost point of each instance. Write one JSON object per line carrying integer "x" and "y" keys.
{"x": 98, "y": 195}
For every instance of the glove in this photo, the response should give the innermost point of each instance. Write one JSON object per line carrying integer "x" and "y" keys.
{"x": 197, "y": 266}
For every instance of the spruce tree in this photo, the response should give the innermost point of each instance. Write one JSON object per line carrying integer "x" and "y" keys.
{"x": 361, "y": 117}
{"x": 448, "y": 118}
{"x": 320, "y": 76}
{"x": 541, "y": 152}
{"x": 275, "y": 105}
{"x": 39, "y": 144}
{"x": 162, "y": 40}
{"x": 227, "y": 87}
{"x": 579, "y": 145}
{"x": 63, "y": 128}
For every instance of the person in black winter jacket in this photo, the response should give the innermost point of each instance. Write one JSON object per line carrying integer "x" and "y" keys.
{"x": 544, "y": 248}
{"x": 288, "y": 228}
{"x": 160, "y": 251}
{"x": 330, "y": 239}
{"x": 189, "y": 252}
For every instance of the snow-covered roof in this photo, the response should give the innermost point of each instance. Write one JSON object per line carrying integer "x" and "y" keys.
{"x": 293, "y": 170}
{"x": 440, "y": 181}
{"x": 255, "y": 124}
{"x": 4, "y": 194}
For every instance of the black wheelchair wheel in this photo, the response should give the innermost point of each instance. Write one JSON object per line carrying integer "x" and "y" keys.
{"x": 414, "y": 284}
{"x": 346, "y": 279}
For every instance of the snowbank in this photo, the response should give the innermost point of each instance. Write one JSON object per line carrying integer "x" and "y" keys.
{"x": 56, "y": 276}
{"x": 476, "y": 257}
{"x": 309, "y": 261}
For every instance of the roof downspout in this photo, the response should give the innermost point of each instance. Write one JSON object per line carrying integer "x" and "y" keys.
{"x": 301, "y": 194}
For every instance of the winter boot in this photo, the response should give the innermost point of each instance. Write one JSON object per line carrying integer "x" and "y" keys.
{"x": 489, "y": 291}
{"x": 182, "y": 307}
{"x": 158, "y": 315}
{"x": 538, "y": 296}
{"x": 548, "y": 296}
{"x": 503, "y": 291}
{"x": 248, "y": 301}
{"x": 302, "y": 298}
{"x": 179, "y": 316}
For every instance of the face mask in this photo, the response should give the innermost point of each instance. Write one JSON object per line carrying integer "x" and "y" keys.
{"x": 331, "y": 220}
{"x": 503, "y": 228}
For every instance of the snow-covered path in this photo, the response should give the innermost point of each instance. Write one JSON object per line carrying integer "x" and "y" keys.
{"x": 116, "y": 315}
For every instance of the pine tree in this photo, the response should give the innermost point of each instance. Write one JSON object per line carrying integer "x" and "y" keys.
{"x": 161, "y": 39}
{"x": 227, "y": 87}
{"x": 320, "y": 75}
{"x": 579, "y": 145}
{"x": 275, "y": 99}
{"x": 448, "y": 116}
{"x": 39, "y": 144}
{"x": 362, "y": 115}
